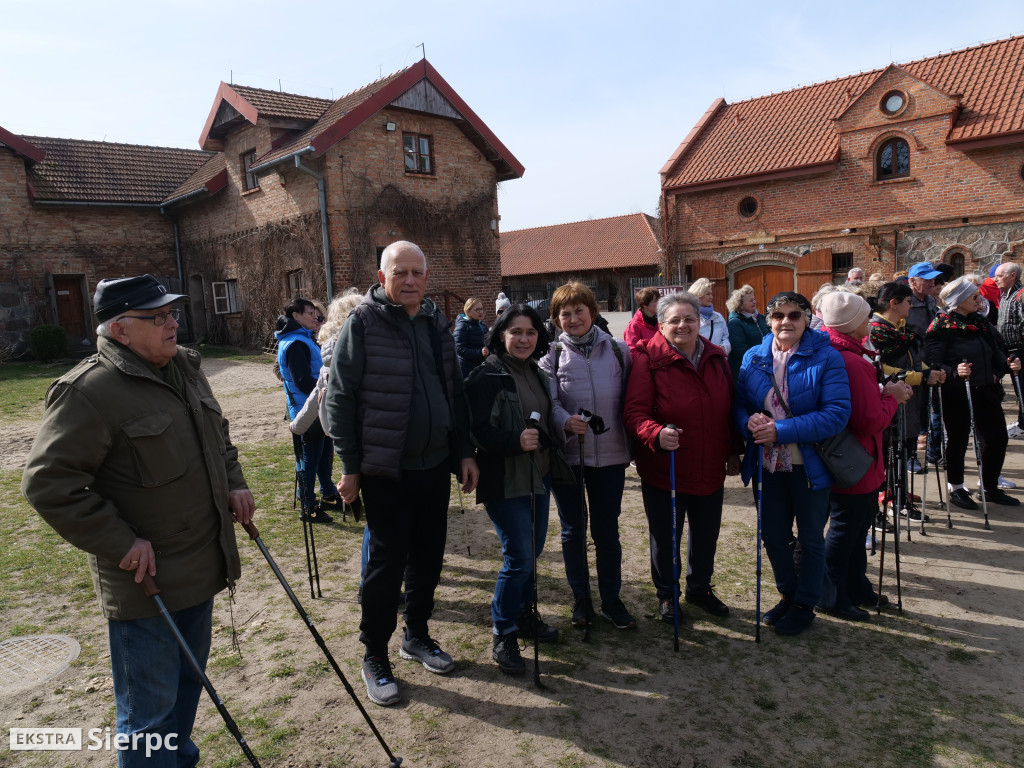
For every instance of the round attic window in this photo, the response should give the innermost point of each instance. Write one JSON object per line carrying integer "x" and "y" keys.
{"x": 893, "y": 103}
{"x": 748, "y": 207}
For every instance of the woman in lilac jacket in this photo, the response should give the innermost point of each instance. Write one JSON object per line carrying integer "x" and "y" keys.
{"x": 588, "y": 370}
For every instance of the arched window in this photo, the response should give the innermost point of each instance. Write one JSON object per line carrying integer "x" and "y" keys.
{"x": 892, "y": 160}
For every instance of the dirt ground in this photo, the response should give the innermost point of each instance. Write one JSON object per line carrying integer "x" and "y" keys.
{"x": 941, "y": 684}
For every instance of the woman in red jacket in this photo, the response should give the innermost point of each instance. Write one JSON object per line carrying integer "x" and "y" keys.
{"x": 851, "y": 510}
{"x": 681, "y": 379}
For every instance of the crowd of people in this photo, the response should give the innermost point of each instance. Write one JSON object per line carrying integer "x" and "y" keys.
{"x": 522, "y": 412}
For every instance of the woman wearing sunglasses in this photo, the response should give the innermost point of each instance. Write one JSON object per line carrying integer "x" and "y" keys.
{"x": 792, "y": 392}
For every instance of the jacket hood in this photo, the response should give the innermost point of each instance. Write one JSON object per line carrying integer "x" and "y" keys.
{"x": 844, "y": 342}
{"x": 286, "y": 325}
{"x": 662, "y": 353}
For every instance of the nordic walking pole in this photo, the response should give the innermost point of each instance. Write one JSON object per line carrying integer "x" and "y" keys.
{"x": 977, "y": 451}
{"x": 675, "y": 548}
{"x": 927, "y": 445}
{"x": 307, "y": 534}
{"x": 1016, "y": 388}
{"x": 908, "y": 476}
{"x": 757, "y": 610}
{"x": 465, "y": 525}
{"x": 254, "y": 534}
{"x": 900, "y": 495}
{"x": 534, "y": 423}
{"x": 587, "y": 599}
{"x": 942, "y": 455}
{"x": 152, "y": 590}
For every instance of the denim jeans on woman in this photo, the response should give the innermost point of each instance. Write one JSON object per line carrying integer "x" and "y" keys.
{"x": 785, "y": 495}
{"x": 155, "y": 688}
{"x": 317, "y": 462}
{"x": 512, "y": 520}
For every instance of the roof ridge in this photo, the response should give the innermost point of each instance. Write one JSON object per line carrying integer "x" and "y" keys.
{"x": 104, "y": 143}
{"x": 372, "y": 83}
{"x": 849, "y": 75}
{"x": 281, "y": 93}
{"x": 580, "y": 221}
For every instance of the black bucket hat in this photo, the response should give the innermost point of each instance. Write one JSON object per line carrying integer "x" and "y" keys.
{"x": 114, "y": 297}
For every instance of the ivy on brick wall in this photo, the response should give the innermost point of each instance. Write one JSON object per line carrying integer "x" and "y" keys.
{"x": 460, "y": 227}
{"x": 260, "y": 259}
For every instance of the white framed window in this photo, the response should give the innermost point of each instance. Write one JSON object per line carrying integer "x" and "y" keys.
{"x": 296, "y": 282}
{"x": 225, "y": 297}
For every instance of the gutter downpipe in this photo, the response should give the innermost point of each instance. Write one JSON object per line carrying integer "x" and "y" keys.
{"x": 323, "y": 221}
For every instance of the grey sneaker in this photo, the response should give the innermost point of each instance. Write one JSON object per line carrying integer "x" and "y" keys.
{"x": 428, "y": 653}
{"x": 380, "y": 685}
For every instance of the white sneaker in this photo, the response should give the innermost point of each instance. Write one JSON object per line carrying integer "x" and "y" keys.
{"x": 1003, "y": 483}
{"x": 1014, "y": 430}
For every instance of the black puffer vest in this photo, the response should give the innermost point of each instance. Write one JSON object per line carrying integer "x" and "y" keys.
{"x": 384, "y": 408}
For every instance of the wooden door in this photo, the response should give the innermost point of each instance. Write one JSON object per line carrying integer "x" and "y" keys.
{"x": 715, "y": 272}
{"x": 69, "y": 299}
{"x": 766, "y": 280}
{"x": 812, "y": 271}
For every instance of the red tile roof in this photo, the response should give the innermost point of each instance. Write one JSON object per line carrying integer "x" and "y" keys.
{"x": 103, "y": 172}
{"x": 279, "y": 104}
{"x": 619, "y": 241}
{"x": 353, "y": 109}
{"x": 208, "y": 179}
{"x": 794, "y": 130}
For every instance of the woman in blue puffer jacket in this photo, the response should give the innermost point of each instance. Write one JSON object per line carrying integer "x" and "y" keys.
{"x": 810, "y": 402}
{"x": 469, "y": 336}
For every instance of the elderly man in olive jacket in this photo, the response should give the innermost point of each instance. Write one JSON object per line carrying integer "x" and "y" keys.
{"x": 133, "y": 464}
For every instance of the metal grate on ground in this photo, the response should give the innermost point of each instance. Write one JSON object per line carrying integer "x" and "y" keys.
{"x": 28, "y": 661}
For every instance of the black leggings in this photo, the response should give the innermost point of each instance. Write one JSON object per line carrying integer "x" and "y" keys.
{"x": 988, "y": 423}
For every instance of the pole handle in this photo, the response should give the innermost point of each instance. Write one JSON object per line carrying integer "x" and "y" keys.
{"x": 149, "y": 586}
{"x": 252, "y": 530}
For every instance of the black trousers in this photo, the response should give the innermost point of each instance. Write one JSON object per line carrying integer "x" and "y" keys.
{"x": 408, "y": 523}
{"x": 704, "y": 515}
{"x": 988, "y": 422}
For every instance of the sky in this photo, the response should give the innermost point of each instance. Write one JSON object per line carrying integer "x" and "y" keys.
{"x": 591, "y": 97}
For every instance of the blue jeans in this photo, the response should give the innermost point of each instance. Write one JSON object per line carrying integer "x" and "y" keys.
{"x": 785, "y": 495}
{"x": 317, "y": 462}
{"x": 155, "y": 688}
{"x": 604, "y": 502}
{"x": 512, "y": 522}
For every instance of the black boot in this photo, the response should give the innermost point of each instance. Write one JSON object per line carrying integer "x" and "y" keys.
{"x": 530, "y": 626}
{"x": 505, "y": 651}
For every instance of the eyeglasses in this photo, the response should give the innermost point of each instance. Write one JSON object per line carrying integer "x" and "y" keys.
{"x": 793, "y": 316}
{"x": 158, "y": 319}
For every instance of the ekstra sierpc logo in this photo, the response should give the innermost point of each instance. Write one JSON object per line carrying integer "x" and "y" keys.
{"x": 70, "y": 740}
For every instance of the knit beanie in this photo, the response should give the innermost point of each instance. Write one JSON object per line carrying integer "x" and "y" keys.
{"x": 843, "y": 311}
{"x": 501, "y": 303}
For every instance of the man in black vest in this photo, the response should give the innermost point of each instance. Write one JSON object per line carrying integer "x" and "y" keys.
{"x": 400, "y": 424}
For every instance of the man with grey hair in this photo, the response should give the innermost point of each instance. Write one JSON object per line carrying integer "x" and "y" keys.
{"x": 1011, "y": 321}
{"x": 854, "y": 278}
{"x": 400, "y": 423}
{"x": 134, "y": 465}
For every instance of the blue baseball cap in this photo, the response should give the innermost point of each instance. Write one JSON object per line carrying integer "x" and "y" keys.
{"x": 924, "y": 270}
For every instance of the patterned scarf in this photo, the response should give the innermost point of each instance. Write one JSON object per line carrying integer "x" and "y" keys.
{"x": 776, "y": 457}
{"x": 954, "y": 321}
{"x": 892, "y": 342}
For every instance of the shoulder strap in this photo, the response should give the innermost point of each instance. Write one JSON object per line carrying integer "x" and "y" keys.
{"x": 618, "y": 355}
{"x": 778, "y": 394}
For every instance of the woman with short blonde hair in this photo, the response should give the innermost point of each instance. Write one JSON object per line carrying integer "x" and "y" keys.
{"x": 712, "y": 325}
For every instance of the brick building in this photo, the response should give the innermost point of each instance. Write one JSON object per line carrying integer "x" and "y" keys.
{"x": 907, "y": 163}
{"x": 72, "y": 212}
{"x": 610, "y": 255}
{"x": 289, "y": 195}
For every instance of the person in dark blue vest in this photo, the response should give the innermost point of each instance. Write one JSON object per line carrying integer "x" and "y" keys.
{"x": 299, "y": 360}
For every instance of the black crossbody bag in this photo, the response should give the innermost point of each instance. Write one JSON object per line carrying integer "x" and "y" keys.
{"x": 843, "y": 455}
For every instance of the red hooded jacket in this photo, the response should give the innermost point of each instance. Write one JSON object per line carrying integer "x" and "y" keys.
{"x": 870, "y": 411}
{"x": 664, "y": 388}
